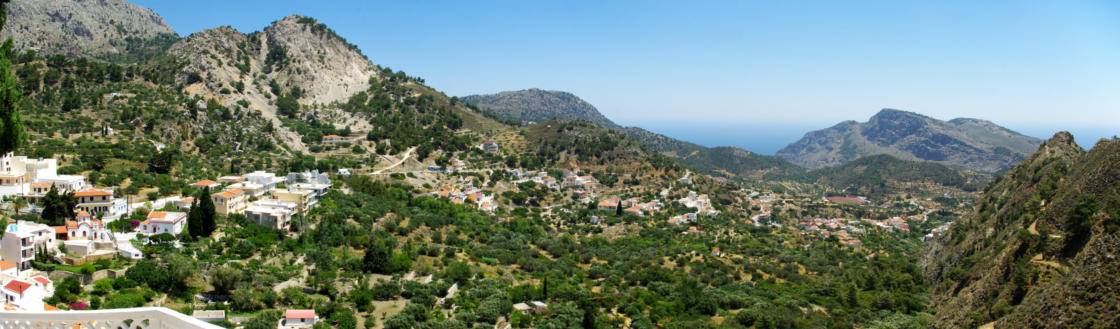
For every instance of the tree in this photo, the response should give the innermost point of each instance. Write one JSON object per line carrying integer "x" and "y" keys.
{"x": 207, "y": 212}
{"x": 224, "y": 279}
{"x": 287, "y": 106}
{"x": 459, "y": 272}
{"x": 18, "y": 204}
{"x": 194, "y": 220}
{"x": 58, "y": 208}
{"x": 163, "y": 161}
{"x": 12, "y": 135}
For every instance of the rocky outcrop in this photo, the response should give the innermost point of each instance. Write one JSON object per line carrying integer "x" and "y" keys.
{"x": 106, "y": 29}
{"x": 971, "y": 143}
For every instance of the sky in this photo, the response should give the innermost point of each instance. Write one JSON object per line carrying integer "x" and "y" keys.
{"x": 1034, "y": 66}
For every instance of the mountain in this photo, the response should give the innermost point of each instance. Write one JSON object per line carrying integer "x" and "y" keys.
{"x": 301, "y": 60}
{"x": 538, "y": 105}
{"x": 1039, "y": 250}
{"x": 971, "y": 143}
{"x": 103, "y": 29}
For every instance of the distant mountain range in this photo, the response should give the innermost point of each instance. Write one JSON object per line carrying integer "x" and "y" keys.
{"x": 970, "y": 143}
{"x": 537, "y": 105}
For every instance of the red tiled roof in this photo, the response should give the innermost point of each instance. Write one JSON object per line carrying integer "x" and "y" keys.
{"x": 92, "y": 192}
{"x": 299, "y": 314}
{"x": 204, "y": 183}
{"x": 6, "y": 265}
{"x": 42, "y": 280}
{"x": 17, "y": 286}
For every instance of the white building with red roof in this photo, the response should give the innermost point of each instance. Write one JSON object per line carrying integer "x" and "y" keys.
{"x": 23, "y": 294}
{"x": 100, "y": 201}
{"x": 86, "y": 227}
{"x": 159, "y": 222}
{"x": 298, "y": 319}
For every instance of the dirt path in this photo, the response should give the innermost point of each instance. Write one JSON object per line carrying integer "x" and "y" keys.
{"x": 407, "y": 153}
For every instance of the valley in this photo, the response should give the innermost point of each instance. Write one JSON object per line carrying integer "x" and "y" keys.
{"x": 282, "y": 179}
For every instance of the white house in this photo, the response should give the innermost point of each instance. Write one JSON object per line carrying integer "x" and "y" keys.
{"x": 298, "y": 319}
{"x": 23, "y": 294}
{"x": 272, "y": 213}
{"x": 46, "y": 284}
{"x": 100, "y": 201}
{"x": 267, "y": 180}
{"x": 164, "y": 222}
{"x": 313, "y": 176}
{"x": 21, "y": 240}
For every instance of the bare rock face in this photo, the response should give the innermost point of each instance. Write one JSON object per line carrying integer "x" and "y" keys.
{"x": 971, "y": 143}
{"x": 93, "y": 28}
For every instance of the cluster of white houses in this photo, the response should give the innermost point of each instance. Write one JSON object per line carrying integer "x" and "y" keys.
{"x": 31, "y": 179}
{"x": 261, "y": 196}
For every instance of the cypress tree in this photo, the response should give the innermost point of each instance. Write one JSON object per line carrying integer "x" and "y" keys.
{"x": 194, "y": 220}
{"x": 207, "y": 212}
{"x": 12, "y": 135}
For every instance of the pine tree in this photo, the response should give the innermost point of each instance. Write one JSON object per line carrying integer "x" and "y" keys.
{"x": 207, "y": 212}
{"x": 618, "y": 209}
{"x": 12, "y": 135}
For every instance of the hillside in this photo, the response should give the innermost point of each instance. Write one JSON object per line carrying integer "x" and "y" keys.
{"x": 537, "y": 105}
{"x": 110, "y": 30}
{"x": 970, "y": 143}
{"x": 1039, "y": 249}
{"x": 880, "y": 175}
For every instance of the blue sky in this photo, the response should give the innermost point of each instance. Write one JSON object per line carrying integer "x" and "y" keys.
{"x": 1036, "y": 65}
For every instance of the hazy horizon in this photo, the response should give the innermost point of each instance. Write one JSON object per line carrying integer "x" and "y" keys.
{"x": 766, "y": 138}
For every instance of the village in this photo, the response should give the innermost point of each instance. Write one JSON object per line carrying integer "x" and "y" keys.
{"x": 260, "y": 196}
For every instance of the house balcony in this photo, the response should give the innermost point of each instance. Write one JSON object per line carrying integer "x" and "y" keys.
{"x": 128, "y": 318}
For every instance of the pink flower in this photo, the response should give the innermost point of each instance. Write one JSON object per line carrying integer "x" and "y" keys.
{"x": 78, "y": 306}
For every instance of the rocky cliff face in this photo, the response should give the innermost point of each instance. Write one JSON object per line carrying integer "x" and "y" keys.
{"x": 971, "y": 143}
{"x": 1040, "y": 250}
{"x": 539, "y": 105}
{"x": 294, "y": 56}
{"x": 104, "y": 29}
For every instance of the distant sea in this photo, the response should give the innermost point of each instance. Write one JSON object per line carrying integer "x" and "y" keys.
{"x": 761, "y": 138}
{"x": 768, "y": 138}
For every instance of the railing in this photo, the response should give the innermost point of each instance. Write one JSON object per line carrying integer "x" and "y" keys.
{"x": 125, "y": 318}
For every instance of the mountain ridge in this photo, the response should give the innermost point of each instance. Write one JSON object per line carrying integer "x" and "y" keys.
{"x": 536, "y": 105}
{"x": 965, "y": 142}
